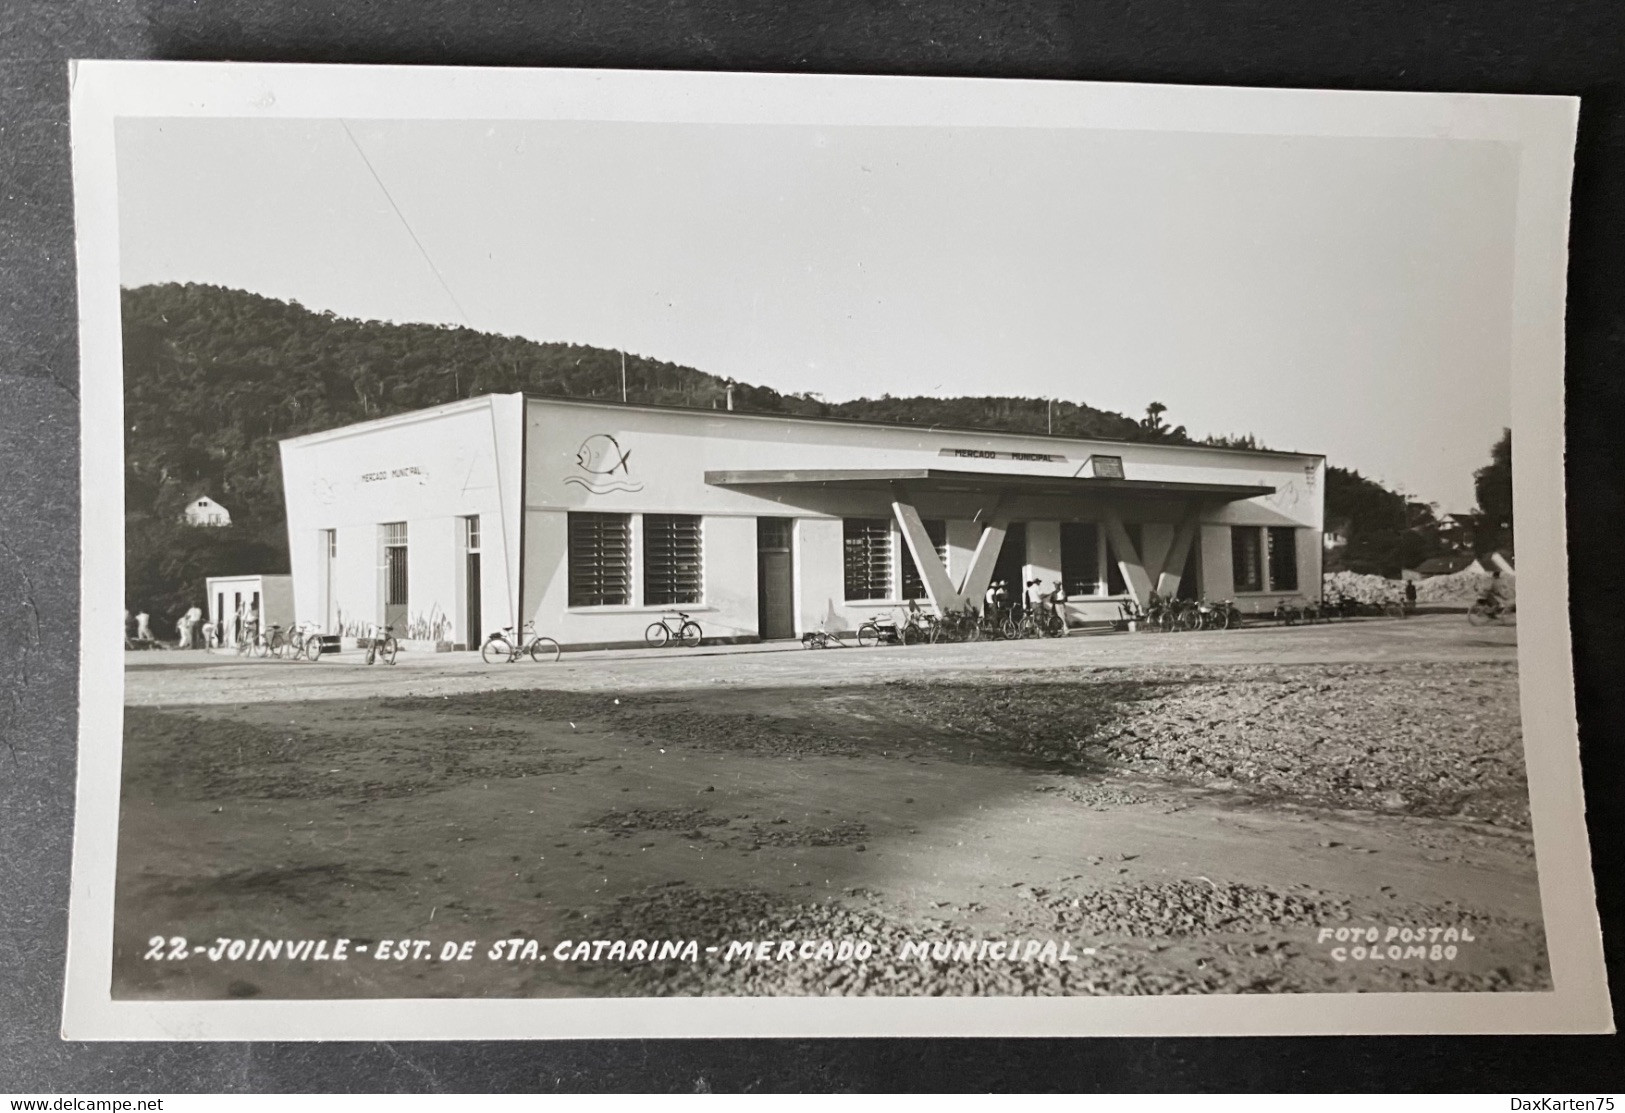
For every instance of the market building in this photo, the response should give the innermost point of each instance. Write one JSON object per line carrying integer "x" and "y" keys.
{"x": 591, "y": 519}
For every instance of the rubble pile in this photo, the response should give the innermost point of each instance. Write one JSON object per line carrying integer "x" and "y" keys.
{"x": 1362, "y": 588}
{"x": 1459, "y": 588}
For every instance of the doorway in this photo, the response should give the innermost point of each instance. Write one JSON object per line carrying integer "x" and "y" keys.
{"x": 395, "y": 576}
{"x": 1011, "y": 565}
{"x": 473, "y": 636}
{"x": 775, "y": 586}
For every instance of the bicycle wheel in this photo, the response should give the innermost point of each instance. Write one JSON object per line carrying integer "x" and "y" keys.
{"x": 690, "y": 634}
{"x": 544, "y": 649}
{"x": 390, "y": 648}
{"x": 868, "y": 635}
{"x": 279, "y": 645}
{"x": 657, "y": 635}
{"x": 313, "y": 647}
{"x": 496, "y": 648}
{"x": 261, "y": 647}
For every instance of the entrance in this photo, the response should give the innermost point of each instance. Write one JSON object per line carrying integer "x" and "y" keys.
{"x": 1011, "y": 564}
{"x": 395, "y": 576}
{"x": 473, "y": 636}
{"x": 1189, "y": 579}
{"x": 775, "y": 587}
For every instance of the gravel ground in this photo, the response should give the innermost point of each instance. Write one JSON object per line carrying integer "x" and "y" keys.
{"x": 218, "y": 759}
{"x": 1423, "y": 739}
{"x": 1126, "y": 941}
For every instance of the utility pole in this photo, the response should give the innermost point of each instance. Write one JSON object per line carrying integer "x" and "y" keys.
{"x": 1049, "y": 411}
{"x": 623, "y": 376}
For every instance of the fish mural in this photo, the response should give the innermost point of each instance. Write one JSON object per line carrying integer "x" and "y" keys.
{"x": 606, "y": 466}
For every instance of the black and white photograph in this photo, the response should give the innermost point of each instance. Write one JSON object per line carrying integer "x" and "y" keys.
{"x": 601, "y": 538}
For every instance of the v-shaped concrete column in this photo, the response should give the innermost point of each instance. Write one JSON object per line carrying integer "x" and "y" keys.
{"x": 982, "y": 561}
{"x": 938, "y": 587}
{"x": 1127, "y": 556}
{"x": 1173, "y": 565}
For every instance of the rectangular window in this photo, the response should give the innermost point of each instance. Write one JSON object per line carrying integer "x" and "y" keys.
{"x": 1283, "y": 557}
{"x": 600, "y": 560}
{"x": 394, "y": 563}
{"x": 1247, "y": 557}
{"x": 1080, "y": 558}
{"x": 1115, "y": 584}
{"x": 671, "y": 559}
{"x": 868, "y": 558}
{"x": 471, "y": 533}
{"x": 913, "y": 583}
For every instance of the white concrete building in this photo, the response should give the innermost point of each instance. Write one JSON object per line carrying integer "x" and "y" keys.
{"x": 205, "y": 511}
{"x": 269, "y": 597}
{"x": 591, "y": 519}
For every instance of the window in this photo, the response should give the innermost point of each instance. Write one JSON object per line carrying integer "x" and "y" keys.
{"x": 868, "y": 558}
{"x": 913, "y": 583}
{"x": 1247, "y": 557}
{"x": 1080, "y": 558}
{"x": 1283, "y": 558}
{"x": 600, "y": 560}
{"x": 671, "y": 559}
{"x": 1115, "y": 584}
{"x": 394, "y": 563}
{"x": 471, "y": 533}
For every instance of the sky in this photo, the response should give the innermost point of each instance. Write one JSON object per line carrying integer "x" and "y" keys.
{"x": 1347, "y": 296}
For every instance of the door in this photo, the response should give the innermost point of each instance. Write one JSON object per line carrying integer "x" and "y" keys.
{"x": 473, "y": 636}
{"x": 775, "y": 588}
{"x": 1190, "y": 579}
{"x": 1011, "y": 564}
{"x": 395, "y": 577}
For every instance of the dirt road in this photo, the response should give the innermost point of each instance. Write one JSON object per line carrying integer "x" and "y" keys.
{"x": 1182, "y": 813}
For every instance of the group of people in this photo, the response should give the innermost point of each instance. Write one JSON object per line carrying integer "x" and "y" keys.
{"x": 193, "y": 631}
{"x": 998, "y": 603}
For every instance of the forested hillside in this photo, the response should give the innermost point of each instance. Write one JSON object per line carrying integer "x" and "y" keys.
{"x": 215, "y": 377}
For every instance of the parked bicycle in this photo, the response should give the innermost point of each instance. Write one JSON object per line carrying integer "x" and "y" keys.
{"x": 676, "y": 625}
{"x": 251, "y": 643}
{"x": 305, "y": 640}
{"x": 383, "y": 647}
{"x": 505, "y": 647}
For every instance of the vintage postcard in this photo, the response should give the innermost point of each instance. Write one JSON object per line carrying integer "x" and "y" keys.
{"x": 647, "y": 554}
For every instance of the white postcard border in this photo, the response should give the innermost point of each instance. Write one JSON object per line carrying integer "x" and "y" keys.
{"x": 1542, "y": 128}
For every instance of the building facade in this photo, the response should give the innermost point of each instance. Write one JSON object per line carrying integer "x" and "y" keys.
{"x": 592, "y": 519}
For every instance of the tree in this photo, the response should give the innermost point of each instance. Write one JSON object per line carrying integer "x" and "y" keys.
{"x": 1492, "y": 483}
{"x": 1156, "y": 428}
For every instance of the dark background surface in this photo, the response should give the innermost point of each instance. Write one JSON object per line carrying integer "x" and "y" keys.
{"x": 1532, "y": 47}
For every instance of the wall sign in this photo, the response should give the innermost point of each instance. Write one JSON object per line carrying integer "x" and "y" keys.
{"x": 604, "y": 466}
{"x": 989, "y": 454}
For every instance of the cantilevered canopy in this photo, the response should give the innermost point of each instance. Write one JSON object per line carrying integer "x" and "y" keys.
{"x": 944, "y": 481}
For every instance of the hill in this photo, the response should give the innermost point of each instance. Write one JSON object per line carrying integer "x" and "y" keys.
{"x": 214, "y": 377}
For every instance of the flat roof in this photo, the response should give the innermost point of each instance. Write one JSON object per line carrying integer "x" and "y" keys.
{"x": 609, "y": 403}
{"x": 945, "y": 480}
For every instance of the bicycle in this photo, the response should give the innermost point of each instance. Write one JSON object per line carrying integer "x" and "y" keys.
{"x": 305, "y": 640}
{"x": 249, "y": 643}
{"x": 503, "y": 646}
{"x": 821, "y": 639}
{"x": 887, "y": 629}
{"x": 383, "y": 648}
{"x": 687, "y": 631}
{"x": 1488, "y": 609}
